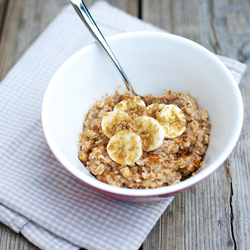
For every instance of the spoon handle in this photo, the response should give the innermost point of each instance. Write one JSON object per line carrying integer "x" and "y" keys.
{"x": 84, "y": 14}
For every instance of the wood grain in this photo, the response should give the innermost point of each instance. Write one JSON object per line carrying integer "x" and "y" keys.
{"x": 9, "y": 240}
{"x": 3, "y": 11}
{"x": 25, "y": 20}
{"x": 215, "y": 213}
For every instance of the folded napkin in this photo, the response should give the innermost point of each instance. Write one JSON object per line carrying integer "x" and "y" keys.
{"x": 38, "y": 197}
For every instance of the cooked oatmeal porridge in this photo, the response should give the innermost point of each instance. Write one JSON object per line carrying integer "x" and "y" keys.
{"x": 149, "y": 143}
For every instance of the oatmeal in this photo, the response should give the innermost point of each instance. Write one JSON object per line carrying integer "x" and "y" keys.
{"x": 149, "y": 143}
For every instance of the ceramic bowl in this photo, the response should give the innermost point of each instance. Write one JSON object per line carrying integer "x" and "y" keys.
{"x": 154, "y": 62}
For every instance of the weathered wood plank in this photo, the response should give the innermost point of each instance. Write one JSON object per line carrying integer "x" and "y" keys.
{"x": 25, "y": 21}
{"x": 213, "y": 214}
{"x": 10, "y": 240}
{"x": 3, "y": 10}
{"x": 232, "y": 28}
{"x": 130, "y": 6}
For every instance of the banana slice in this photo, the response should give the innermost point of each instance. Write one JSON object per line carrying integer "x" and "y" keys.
{"x": 151, "y": 133}
{"x": 170, "y": 117}
{"x": 155, "y": 109}
{"x": 132, "y": 106}
{"x": 126, "y": 103}
{"x": 113, "y": 122}
{"x": 125, "y": 148}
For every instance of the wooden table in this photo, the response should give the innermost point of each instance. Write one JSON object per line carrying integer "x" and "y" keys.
{"x": 214, "y": 214}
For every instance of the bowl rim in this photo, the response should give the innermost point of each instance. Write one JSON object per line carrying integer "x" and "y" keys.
{"x": 167, "y": 190}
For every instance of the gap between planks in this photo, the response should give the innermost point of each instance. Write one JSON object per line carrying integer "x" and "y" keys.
{"x": 4, "y": 5}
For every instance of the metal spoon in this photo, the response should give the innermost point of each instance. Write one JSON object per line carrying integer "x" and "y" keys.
{"x": 84, "y": 14}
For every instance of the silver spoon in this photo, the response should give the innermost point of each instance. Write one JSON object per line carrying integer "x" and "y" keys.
{"x": 84, "y": 14}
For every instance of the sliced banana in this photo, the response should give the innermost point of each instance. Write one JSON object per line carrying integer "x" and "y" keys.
{"x": 125, "y": 148}
{"x": 155, "y": 109}
{"x": 170, "y": 117}
{"x": 132, "y": 106}
{"x": 125, "y": 104}
{"x": 151, "y": 133}
{"x": 113, "y": 122}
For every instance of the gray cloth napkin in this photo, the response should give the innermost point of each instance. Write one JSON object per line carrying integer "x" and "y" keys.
{"x": 38, "y": 197}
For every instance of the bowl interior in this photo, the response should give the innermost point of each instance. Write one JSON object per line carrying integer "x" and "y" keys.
{"x": 154, "y": 62}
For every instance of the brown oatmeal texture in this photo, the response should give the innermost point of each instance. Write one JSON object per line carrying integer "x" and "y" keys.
{"x": 176, "y": 160}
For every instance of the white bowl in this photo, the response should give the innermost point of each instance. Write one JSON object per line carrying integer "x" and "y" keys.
{"x": 153, "y": 62}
